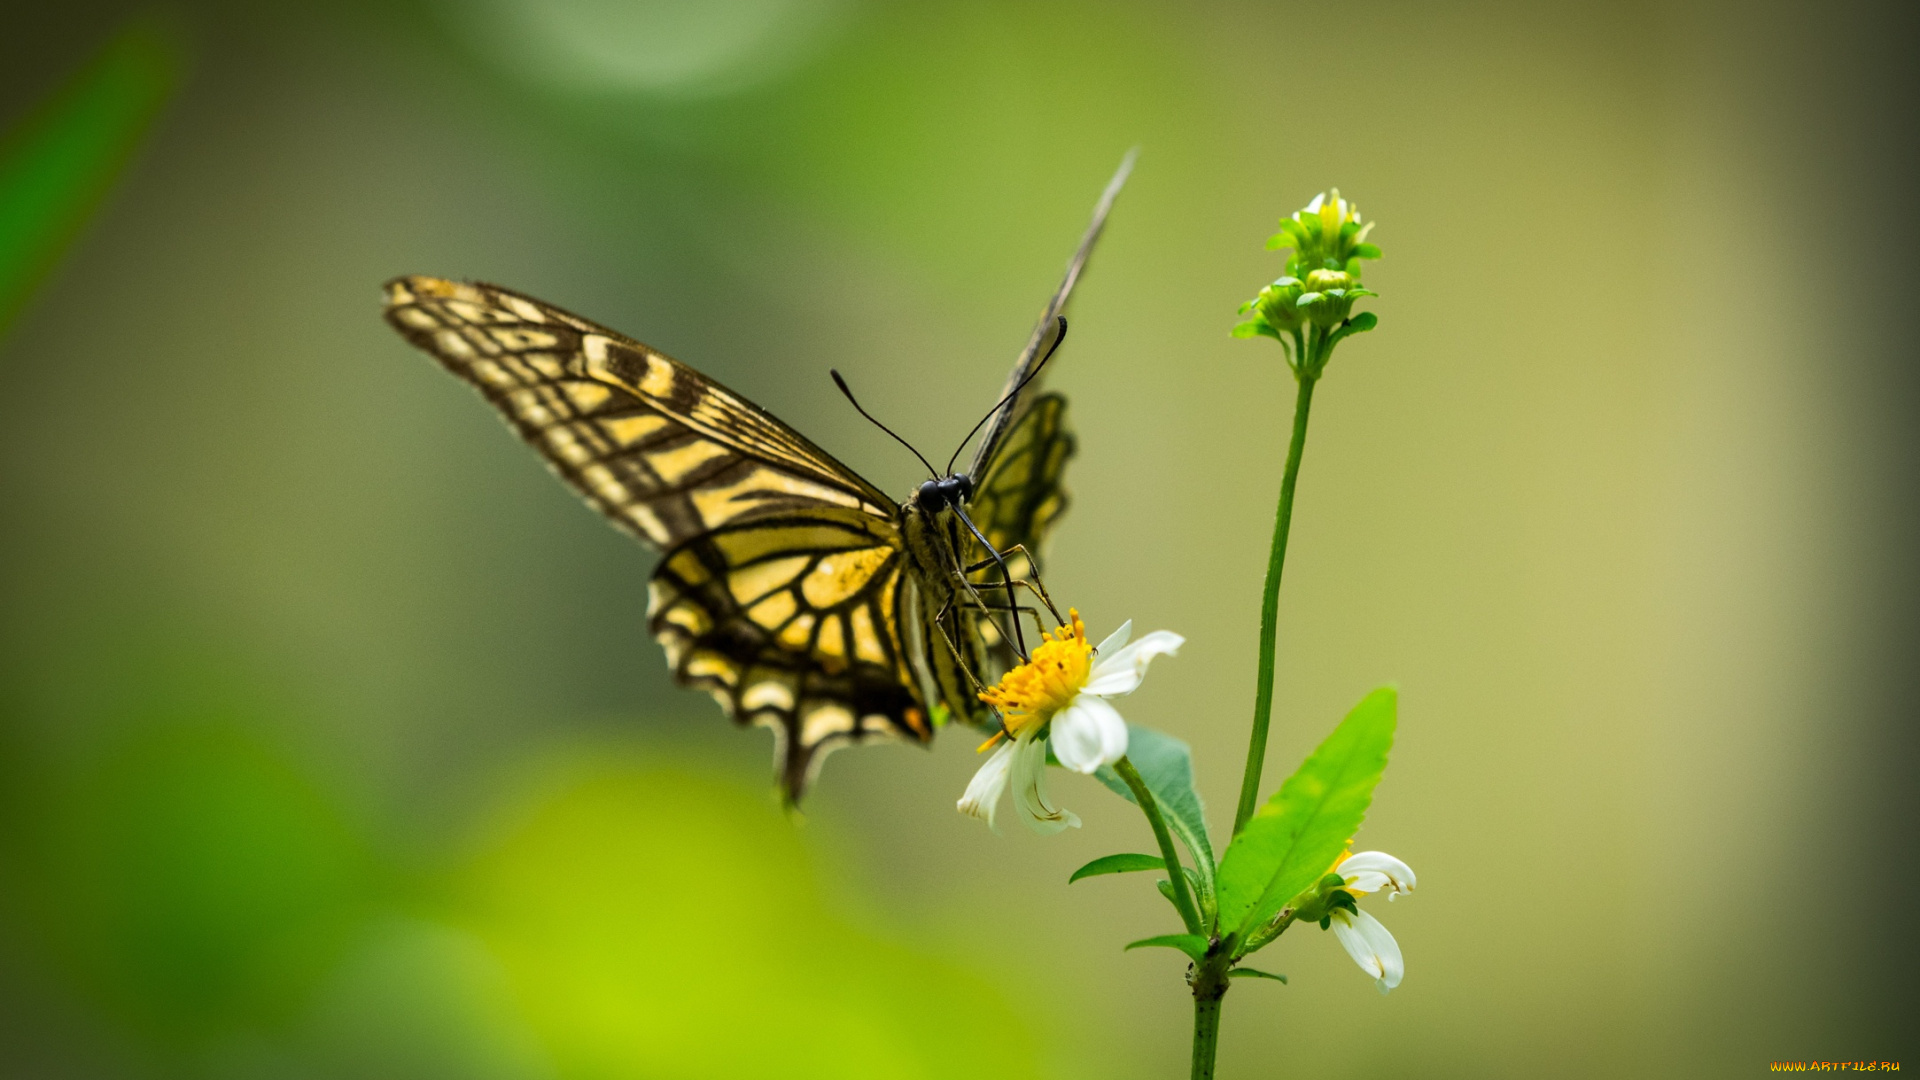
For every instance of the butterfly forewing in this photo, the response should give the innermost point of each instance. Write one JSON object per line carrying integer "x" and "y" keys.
{"x": 780, "y": 588}
{"x": 661, "y": 449}
{"x": 1007, "y": 416}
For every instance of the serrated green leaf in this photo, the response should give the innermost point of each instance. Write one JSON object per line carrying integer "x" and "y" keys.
{"x": 1166, "y": 764}
{"x": 1118, "y": 864}
{"x": 1254, "y": 973}
{"x": 1193, "y": 945}
{"x": 58, "y": 164}
{"x": 1297, "y": 835}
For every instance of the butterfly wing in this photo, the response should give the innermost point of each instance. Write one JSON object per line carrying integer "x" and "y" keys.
{"x": 1020, "y": 496}
{"x": 1016, "y": 505}
{"x": 779, "y": 591}
{"x": 1007, "y": 416}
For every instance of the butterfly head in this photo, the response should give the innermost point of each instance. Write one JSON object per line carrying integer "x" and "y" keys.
{"x": 937, "y": 495}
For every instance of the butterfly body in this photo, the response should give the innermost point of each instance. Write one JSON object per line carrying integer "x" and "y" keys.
{"x": 793, "y": 591}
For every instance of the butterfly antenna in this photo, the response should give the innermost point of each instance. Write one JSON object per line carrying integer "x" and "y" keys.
{"x": 842, "y": 384}
{"x": 1014, "y": 393}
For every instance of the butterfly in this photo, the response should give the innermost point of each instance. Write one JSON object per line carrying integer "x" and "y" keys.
{"x": 800, "y": 596}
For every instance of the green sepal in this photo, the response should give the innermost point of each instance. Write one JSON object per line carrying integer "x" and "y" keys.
{"x": 1193, "y": 945}
{"x": 1360, "y": 323}
{"x": 1305, "y": 826}
{"x": 1291, "y": 235}
{"x": 1256, "y": 328}
{"x": 1118, "y": 864}
{"x": 1254, "y": 973}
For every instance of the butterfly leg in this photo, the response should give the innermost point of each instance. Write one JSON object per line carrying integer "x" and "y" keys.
{"x": 1032, "y": 581}
{"x": 960, "y": 661}
{"x": 1020, "y": 646}
{"x": 1006, "y": 576}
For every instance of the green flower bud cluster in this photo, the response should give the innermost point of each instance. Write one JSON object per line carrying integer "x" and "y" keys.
{"x": 1327, "y": 240}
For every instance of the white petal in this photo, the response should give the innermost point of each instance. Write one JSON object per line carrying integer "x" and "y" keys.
{"x": 1088, "y": 734}
{"x": 1371, "y": 871}
{"x": 1121, "y": 672}
{"x": 982, "y": 799}
{"x": 1030, "y": 789}
{"x": 1116, "y": 640}
{"x": 1370, "y": 946}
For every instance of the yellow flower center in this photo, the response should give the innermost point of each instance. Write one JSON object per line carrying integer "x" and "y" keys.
{"x": 1335, "y": 869}
{"x": 1030, "y": 694}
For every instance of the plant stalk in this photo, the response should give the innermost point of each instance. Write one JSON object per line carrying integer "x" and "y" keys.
{"x": 1307, "y": 373}
{"x": 1209, "y": 987}
{"x": 1176, "y": 873}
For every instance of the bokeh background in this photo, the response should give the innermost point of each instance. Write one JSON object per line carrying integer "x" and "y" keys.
{"x": 332, "y": 744}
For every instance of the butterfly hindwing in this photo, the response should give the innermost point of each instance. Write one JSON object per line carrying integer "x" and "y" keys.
{"x": 1018, "y": 499}
{"x": 789, "y": 623}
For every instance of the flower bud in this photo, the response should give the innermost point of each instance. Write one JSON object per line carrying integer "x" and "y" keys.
{"x": 1276, "y": 311}
{"x": 1330, "y": 308}
{"x": 1329, "y": 281}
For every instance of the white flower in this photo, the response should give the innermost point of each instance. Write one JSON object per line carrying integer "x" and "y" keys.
{"x": 1368, "y": 942}
{"x": 1058, "y": 698}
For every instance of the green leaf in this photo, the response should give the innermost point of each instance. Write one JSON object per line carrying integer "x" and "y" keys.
{"x": 58, "y": 164}
{"x": 1298, "y": 834}
{"x": 1366, "y": 251}
{"x": 1118, "y": 864}
{"x": 1362, "y": 323}
{"x": 1254, "y": 973}
{"x": 1193, "y": 945}
{"x": 1193, "y": 886}
{"x": 1166, "y": 764}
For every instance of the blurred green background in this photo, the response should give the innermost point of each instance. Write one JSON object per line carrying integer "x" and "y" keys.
{"x": 331, "y": 740}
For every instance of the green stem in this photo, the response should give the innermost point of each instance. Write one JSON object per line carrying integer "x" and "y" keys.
{"x": 1176, "y": 873}
{"x": 1307, "y": 375}
{"x": 1209, "y": 987}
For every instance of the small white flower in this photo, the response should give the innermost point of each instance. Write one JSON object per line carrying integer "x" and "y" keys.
{"x": 1368, "y": 942}
{"x": 1058, "y": 698}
